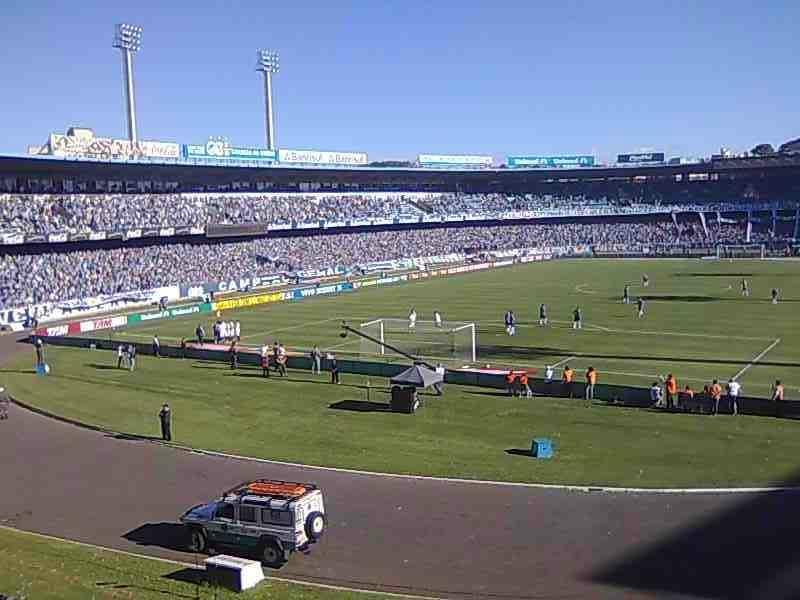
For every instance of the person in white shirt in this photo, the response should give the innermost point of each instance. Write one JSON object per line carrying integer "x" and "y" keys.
{"x": 548, "y": 374}
{"x": 439, "y": 387}
{"x": 282, "y": 358}
{"x": 156, "y": 347}
{"x": 655, "y": 394}
{"x": 437, "y": 317}
{"x": 734, "y": 389}
{"x": 120, "y": 356}
{"x": 412, "y": 318}
{"x": 238, "y": 331}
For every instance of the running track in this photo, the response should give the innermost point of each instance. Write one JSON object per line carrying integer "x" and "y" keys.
{"x": 431, "y": 538}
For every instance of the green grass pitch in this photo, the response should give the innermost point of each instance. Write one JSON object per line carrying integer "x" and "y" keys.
{"x": 697, "y": 326}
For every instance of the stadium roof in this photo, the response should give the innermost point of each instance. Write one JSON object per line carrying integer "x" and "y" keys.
{"x": 40, "y": 167}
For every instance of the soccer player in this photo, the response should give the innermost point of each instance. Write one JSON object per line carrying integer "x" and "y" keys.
{"x": 412, "y": 318}
{"x": 548, "y": 374}
{"x": 156, "y": 347}
{"x": 775, "y": 294}
{"x": 577, "y": 318}
{"x": 745, "y": 287}
{"x": 542, "y": 315}
{"x": 645, "y": 280}
{"x": 200, "y": 333}
{"x": 237, "y": 329}
{"x": 626, "y": 294}
{"x": 511, "y": 322}
{"x": 640, "y": 304}
{"x": 437, "y": 318}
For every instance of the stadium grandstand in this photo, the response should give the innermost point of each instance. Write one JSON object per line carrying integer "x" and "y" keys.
{"x": 126, "y": 228}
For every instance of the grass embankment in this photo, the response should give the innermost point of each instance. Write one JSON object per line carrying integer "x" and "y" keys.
{"x": 37, "y": 568}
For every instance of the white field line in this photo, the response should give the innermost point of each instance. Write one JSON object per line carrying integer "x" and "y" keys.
{"x": 757, "y": 358}
{"x": 179, "y": 563}
{"x": 580, "y": 290}
{"x": 675, "y": 333}
{"x": 561, "y": 362}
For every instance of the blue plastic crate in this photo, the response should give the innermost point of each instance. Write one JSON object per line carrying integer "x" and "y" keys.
{"x": 542, "y": 448}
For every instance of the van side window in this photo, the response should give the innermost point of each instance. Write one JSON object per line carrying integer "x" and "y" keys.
{"x": 247, "y": 514}
{"x": 225, "y": 511}
{"x": 276, "y": 517}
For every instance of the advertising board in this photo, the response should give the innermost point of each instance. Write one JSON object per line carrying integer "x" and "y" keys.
{"x": 221, "y": 150}
{"x": 318, "y": 157}
{"x": 642, "y": 157}
{"x": 250, "y": 300}
{"x": 473, "y": 161}
{"x": 575, "y": 161}
{"x": 88, "y": 146}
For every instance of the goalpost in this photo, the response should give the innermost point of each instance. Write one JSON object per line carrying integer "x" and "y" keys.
{"x": 741, "y": 251}
{"x": 454, "y": 340}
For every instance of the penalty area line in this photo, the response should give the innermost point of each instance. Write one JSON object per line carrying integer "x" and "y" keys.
{"x": 756, "y": 358}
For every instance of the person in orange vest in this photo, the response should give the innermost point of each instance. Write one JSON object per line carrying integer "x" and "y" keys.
{"x": 523, "y": 385}
{"x": 566, "y": 380}
{"x": 777, "y": 396}
{"x": 511, "y": 380}
{"x": 672, "y": 391}
{"x": 716, "y": 393}
{"x": 591, "y": 379}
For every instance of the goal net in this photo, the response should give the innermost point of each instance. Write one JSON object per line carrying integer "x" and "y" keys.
{"x": 454, "y": 340}
{"x": 741, "y": 251}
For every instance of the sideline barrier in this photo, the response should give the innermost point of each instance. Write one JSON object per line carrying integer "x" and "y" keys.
{"x": 113, "y": 322}
{"x": 614, "y": 395}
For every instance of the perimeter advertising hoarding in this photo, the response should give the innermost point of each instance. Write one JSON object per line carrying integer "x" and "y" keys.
{"x": 641, "y": 157}
{"x": 317, "y": 157}
{"x": 455, "y": 160}
{"x": 576, "y": 161}
{"x": 221, "y": 150}
{"x": 71, "y": 146}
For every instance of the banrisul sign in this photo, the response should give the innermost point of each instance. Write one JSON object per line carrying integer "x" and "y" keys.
{"x": 178, "y": 311}
{"x": 574, "y": 161}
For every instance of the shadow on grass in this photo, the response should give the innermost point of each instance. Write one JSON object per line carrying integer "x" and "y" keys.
{"x": 519, "y": 452}
{"x": 361, "y": 406}
{"x": 534, "y": 352}
{"x": 100, "y": 367}
{"x": 189, "y": 575}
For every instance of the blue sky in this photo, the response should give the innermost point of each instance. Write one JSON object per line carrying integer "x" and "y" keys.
{"x": 396, "y": 79}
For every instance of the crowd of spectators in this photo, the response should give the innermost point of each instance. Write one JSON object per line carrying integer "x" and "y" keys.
{"x": 58, "y": 276}
{"x": 80, "y": 213}
{"x": 84, "y": 213}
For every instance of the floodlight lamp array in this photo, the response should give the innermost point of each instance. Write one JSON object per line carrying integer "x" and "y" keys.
{"x": 267, "y": 61}
{"x": 127, "y": 37}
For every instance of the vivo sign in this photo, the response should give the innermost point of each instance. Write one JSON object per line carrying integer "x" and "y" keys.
{"x": 316, "y": 157}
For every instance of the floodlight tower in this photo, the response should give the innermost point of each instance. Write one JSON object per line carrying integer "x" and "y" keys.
{"x": 267, "y": 62}
{"x": 128, "y": 38}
